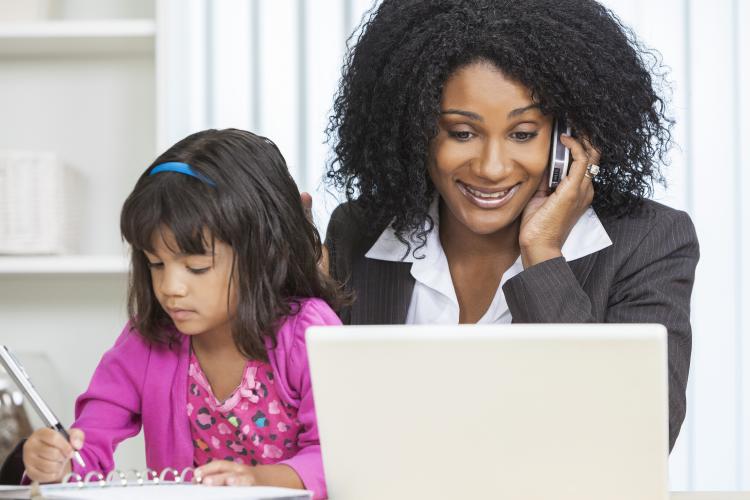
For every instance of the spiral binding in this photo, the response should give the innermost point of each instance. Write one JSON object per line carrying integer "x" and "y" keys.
{"x": 133, "y": 477}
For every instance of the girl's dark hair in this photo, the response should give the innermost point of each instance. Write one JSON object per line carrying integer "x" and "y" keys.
{"x": 254, "y": 207}
{"x": 577, "y": 58}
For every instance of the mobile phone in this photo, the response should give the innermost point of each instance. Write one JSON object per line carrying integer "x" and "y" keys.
{"x": 559, "y": 155}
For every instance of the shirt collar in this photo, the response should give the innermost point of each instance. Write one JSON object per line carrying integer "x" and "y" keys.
{"x": 587, "y": 236}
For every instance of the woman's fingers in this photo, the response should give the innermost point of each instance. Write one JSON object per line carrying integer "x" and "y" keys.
{"x": 307, "y": 201}
{"x": 584, "y": 154}
{"x": 324, "y": 262}
{"x": 580, "y": 159}
{"x": 591, "y": 152}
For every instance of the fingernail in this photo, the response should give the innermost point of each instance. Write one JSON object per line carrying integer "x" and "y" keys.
{"x": 208, "y": 481}
{"x": 230, "y": 481}
{"x": 77, "y": 443}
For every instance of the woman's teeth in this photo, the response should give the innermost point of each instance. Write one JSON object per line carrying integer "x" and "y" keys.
{"x": 487, "y": 200}
{"x": 479, "y": 194}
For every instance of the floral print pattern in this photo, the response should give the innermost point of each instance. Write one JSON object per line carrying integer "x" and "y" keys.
{"x": 253, "y": 426}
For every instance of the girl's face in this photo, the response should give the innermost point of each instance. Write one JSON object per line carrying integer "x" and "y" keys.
{"x": 193, "y": 289}
{"x": 491, "y": 151}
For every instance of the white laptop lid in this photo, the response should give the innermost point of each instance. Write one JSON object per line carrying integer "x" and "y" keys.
{"x": 547, "y": 412}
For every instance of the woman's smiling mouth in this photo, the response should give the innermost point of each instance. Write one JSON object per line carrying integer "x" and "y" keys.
{"x": 487, "y": 199}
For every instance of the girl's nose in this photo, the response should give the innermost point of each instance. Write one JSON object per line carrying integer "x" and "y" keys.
{"x": 172, "y": 285}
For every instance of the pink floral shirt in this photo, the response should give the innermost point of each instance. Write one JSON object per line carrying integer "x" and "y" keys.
{"x": 253, "y": 426}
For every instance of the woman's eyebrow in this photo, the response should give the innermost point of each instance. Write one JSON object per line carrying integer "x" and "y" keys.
{"x": 520, "y": 111}
{"x": 476, "y": 117}
{"x": 461, "y": 112}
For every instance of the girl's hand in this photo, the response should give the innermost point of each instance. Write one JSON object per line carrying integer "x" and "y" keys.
{"x": 47, "y": 455}
{"x": 227, "y": 473}
{"x": 548, "y": 218}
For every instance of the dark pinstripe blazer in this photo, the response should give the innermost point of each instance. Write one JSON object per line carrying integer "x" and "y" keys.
{"x": 645, "y": 276}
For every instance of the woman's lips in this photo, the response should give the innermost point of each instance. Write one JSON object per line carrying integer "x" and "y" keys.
{"x": 485, "y": 198}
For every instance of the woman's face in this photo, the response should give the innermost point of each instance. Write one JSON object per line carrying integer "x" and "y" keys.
{"x": 491, "y": 151}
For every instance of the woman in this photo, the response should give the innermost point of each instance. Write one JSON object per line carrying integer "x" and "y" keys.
{"x": 442, "y": 129}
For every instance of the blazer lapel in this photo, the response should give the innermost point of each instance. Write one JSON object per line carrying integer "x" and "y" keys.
{"x": 384, "y": 291}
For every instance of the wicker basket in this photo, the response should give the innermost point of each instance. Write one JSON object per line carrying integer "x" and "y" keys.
{"x": 35, "y": 204}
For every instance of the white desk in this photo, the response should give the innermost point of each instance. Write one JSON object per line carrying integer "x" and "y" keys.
{"x": 710, "y": 495}
{"x": 707, "y": 495}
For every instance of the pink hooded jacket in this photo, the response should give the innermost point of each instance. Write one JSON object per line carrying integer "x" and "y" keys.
{"x": 142, "y": 384}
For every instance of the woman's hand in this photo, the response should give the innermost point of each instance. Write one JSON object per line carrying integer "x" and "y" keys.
{"x": 548, "y": 218}
{"x": 47, "y": 455}
{"x": 307, "y": 202}
{"x": 227, "y": 473}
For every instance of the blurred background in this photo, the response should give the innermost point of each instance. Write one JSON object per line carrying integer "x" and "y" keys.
{"x": 92, "y": 90}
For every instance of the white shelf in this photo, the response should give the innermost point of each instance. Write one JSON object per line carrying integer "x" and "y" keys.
{"x": 64, "y": 264}
{"x": 77, "y": 37}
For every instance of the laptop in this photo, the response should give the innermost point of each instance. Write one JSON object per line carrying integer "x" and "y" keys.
{"x": 512, "y": 412}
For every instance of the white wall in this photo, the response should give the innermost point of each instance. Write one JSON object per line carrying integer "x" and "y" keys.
{"x": 708, "y": 52}
{"x": 267, "y": 66}
{"x": 94, "y": 106}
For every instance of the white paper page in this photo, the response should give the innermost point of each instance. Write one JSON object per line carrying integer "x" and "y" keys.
{"x": 164, "y": 492}
{"x": 7, "y": 491}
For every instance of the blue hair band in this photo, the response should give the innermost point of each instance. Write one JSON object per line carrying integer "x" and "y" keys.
{"x": 181, "y": 168}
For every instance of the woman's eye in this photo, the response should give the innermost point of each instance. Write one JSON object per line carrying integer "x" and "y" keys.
{"x": 198, "y": 270}
{"x": 523, "y": 136}
{"x": 461, "y": 135}
{"x": 155, "y": 265}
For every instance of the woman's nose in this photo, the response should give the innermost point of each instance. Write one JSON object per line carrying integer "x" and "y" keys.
{"x": 493, "y": 164}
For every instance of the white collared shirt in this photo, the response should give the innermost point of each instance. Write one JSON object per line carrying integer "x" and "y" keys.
{"x": 434, "y": 297}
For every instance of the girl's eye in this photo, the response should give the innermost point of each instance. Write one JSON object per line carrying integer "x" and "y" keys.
{"x": 155, "y": 265}
{"x": 523, "y": 136}
{"x": 198, "y": 270}
{"x": 461, "y": 135}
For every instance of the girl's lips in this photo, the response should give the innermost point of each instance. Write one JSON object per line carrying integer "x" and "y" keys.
{"x": 487, "y": 200}
{"x": 181, "y": 314}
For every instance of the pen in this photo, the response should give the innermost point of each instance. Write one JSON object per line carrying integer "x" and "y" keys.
{"x": 19, "y": 376}
{"x": 59, "y": 428}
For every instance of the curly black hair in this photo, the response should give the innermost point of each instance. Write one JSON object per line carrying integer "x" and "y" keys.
{"x": 577, "y": 58}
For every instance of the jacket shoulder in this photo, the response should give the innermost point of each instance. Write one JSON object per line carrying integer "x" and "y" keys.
{"x": 349, "y": 236}
{"x": 653, "y": 228}
{"x": 648, "y": 217}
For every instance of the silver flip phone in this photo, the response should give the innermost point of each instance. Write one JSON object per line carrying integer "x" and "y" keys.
{"x": 559, "y": 155}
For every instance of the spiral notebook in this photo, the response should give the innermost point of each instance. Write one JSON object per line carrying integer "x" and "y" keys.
{"x": 133, "y": 485}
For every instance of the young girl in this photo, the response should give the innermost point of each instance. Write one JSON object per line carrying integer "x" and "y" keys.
{"x": 224, "y": 283}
